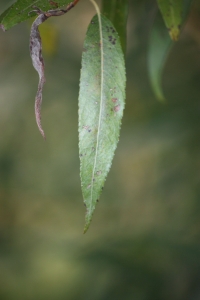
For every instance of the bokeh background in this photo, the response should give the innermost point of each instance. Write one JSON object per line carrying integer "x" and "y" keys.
{"x": 143, "y": 242}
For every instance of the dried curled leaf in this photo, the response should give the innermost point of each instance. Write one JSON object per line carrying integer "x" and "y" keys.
{"x": 36, "y": 54}
{"x": 38, "y": 63}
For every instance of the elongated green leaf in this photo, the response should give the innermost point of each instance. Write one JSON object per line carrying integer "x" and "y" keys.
{"x": 172, "y": 12}
{"x": 21, "y": 10}
{"x": 159, "y": 47}
{"x": 101, "y": 104}
{"x": 117, "y": 12}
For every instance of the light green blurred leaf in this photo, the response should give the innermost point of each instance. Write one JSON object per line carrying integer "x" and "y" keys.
{"x": 159, "y": 47}
{"x": 117, "y": 12}
{"x": 101, "y": 104}
{"x": 172, "y": 12}
{"x": 21, "y": 11}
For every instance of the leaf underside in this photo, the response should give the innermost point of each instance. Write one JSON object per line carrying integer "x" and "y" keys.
{"x": 22, "y": 10}
{"x": 172, "y": 12}
{"x": 101, "y": 105}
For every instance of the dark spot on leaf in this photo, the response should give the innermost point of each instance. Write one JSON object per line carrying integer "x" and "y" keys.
{"x": 110, "y": 39}
{"x": 114, "y": 42}
{"x": 86, "y": 127}
{"x": 114, "y": 100}
{"x": 53, "y": 4}
{"x": 116, "y": 108}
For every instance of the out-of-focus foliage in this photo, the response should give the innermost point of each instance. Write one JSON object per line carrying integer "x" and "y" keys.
{"x": 159, "y": 46}
{"x": 172, "y": 12}
{"x": 22, "y": 10}
{"x": 144, "y": 242}
{"x": 164, "y": 31}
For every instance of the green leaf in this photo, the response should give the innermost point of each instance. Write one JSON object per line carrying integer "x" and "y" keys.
{"x": 117, "y": 12}
{"x": 101, "y": 105}
{"x": 159, "y": 47}
{"x": 186, "y": 8}
{"x": 172, "y": 12}
{"x": 23, "y": 9}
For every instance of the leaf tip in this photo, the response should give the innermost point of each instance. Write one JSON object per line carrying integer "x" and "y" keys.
{"x": 174, "y": 33}
{"x": 42, "y": 133}
{"x": 87, "y": 225}
{"x": 38, "y": 118}
{"x": 2, "y": 27}
{"x": 88, "y": 219}
{"x": 85, "y": 229}
{"x": 160, "y": 96}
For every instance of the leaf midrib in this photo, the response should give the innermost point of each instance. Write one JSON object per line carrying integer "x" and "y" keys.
{"x": 101, "y": 100}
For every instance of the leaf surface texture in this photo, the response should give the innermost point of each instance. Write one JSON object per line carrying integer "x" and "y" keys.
{"x": 117, "y": 12}
{"x": 101, "y": 105}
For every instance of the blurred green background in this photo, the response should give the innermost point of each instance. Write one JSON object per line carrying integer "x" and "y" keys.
{"x": 143, "y": 242}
